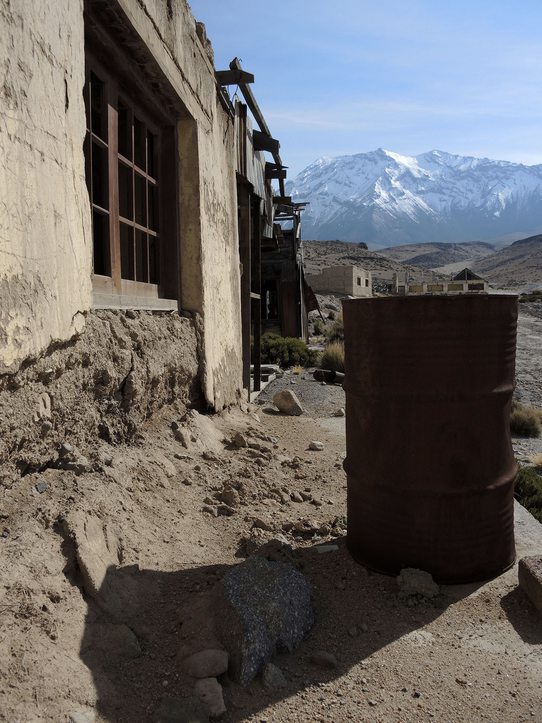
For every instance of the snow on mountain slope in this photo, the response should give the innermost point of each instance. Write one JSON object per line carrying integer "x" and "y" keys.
{"x": 384, "y": 198}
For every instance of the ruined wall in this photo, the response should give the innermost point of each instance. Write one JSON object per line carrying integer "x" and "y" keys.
{"x": 210, "y": 278}
{"x": 102, "y": 385}
{"x": 341, "y": 280}
{"x": 45, "y": 239}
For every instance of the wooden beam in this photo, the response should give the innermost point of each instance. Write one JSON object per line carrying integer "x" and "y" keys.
{"x": 233, "y": 76}
{"x": 263, "y": 142}
{"x": 282, "y": 200}
{"x": 273, "y": 170}
{"x": 258, "y": 115}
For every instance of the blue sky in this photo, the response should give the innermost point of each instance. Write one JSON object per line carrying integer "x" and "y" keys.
{"x": 336, "y": 78}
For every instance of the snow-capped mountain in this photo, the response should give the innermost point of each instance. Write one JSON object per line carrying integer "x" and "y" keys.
{"x": 385, "y": 199}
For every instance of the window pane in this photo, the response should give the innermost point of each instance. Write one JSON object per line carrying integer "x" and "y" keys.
{"x": 154, "y": 274}
{"x": 100, "y": 180}
{"x": 100, "y": 236}
{"x": 142, "y": 266}
{"x": 125, "y": 191}
{"x": 151, "y": 150}
{"x": 98, "y": 107}
{"x": 126, "y": 251}
{"x": 140, "y": 200}
{"x": 153, "y": 206}
{"x": 140, "y": 137}
{"x": 125, "y": 131}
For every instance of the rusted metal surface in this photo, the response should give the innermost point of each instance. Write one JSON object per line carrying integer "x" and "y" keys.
{"x": 430, "y": 466}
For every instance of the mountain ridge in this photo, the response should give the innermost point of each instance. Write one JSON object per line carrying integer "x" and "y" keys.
{"x": 386, "y": 199}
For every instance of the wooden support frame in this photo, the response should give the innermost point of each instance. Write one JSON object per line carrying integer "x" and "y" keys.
{"x": 263, "y": 142}
{"x": 258, "y": 116}
{"x": 233, "y": 77}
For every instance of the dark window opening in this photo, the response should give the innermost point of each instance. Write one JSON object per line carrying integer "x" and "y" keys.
{"x": 359, "y": 281}
{"x": 122, "y": 160}
{"x": 270, "y": 307}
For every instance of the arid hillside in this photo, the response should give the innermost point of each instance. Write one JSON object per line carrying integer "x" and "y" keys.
{"x": 433, "y": 255}
{"x": 319, "y": 254}
{"x": 514, "y": 266}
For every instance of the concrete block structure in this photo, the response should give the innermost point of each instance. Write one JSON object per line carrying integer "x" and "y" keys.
{"x": 349, "y": 280}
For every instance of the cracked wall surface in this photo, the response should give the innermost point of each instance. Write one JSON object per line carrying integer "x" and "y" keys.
{"x": 104, "y": 384}
{"x": 45, "y": 236}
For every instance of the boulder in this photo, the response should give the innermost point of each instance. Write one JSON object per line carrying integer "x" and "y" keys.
{"x": 209, "y": 691}
{"x": 287, "y": 402}
{"x": 273, "y": 677}
{"x": 206, "y": 663}
{"x": 261, "y": 608}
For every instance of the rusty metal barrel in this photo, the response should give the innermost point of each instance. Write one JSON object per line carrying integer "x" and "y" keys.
{"x": 430, "y": 465}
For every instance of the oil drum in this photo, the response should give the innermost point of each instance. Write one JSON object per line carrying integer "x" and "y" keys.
{"x": 430, "y": 465}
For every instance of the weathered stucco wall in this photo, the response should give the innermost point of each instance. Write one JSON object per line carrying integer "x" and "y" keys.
{"x": 342, "y": 280}
{"x": 210, "y": 278}
{"x": 45, "y": 238}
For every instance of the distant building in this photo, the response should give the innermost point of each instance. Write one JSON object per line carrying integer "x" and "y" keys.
{"x": 465, "y": 282}
{"x": 349, "y": 280}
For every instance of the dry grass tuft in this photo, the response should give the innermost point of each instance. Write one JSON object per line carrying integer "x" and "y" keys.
{"x": 333, "y": 357}
{"x": 525, "y": 421}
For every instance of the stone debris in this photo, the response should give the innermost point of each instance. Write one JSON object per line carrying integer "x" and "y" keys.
{"x": 209, "y": 691}
{"x": 339, "y": 413}
{"x": 418, "y": 584}
{"x": 239, "y": 440}
{"x": 530, "y": 579}
{"x": 324, "y": 659}
{"x": 41, "y": 487}
{"x": 82, "y": 716}
{"x": 273, "y": 677}
{"x": 261, "y": 607}
{"x": 69, "y": 458}
{"x": 287, "y": 402}
{"x": 182, "y": 710}
{"x": 208, "y": 663}
{"x": 316, "y": 446}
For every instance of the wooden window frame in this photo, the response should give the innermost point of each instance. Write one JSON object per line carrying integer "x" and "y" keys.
{"x": 166, "y": 234}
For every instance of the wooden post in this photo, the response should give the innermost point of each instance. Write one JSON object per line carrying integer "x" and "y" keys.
{"x": 256, "y": 293}
{"x": 244, "y": 210}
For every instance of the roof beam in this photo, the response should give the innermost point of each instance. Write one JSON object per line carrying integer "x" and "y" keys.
{"x": 263, "y": 142}
{"x": 258, "y": 116}
{"x": 273, "y": 170}
{"x": 233, "y": 77}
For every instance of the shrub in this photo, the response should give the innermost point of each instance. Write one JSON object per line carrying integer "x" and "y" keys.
{"x": 286, "y": 351}
{"x": 336, "y": 331}
{"x": 528, "y": 491}
{"x": 333, "y": 357}
{"x": 525, "y": 421}
{"x": 317, "y": 327}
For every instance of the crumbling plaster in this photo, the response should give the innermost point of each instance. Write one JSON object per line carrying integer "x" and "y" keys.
{"x": 45, "y": 226}
{"x": 45, "y": 236}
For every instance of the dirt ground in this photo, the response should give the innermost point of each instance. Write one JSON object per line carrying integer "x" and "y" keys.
{"x": 179, "y": 507}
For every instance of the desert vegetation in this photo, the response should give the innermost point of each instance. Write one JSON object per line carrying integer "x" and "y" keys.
{"x": 286, "y": 351}
{"x": 333, "y": 357}
{"x": 528, "y": 491}
{"x": 525, "y": 421}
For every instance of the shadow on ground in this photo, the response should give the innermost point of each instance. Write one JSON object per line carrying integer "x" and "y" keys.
{"x": 134, "y": 675}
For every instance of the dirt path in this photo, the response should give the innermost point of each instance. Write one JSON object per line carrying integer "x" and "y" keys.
{"x": 473, "y": 655}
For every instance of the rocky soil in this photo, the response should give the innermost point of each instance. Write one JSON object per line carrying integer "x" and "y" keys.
{"x": 107, "y": 569}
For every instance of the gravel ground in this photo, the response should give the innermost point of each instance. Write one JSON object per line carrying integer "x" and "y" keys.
{"x": 317, "y": 399}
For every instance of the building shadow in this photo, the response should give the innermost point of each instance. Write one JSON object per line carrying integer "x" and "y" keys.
{"x": 523, "y": 616}
{"x": 133, "y": 634}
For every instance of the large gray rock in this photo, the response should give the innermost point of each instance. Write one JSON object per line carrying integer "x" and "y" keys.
{"x": 261, "y": 608}
{"x": 287, "y": 403}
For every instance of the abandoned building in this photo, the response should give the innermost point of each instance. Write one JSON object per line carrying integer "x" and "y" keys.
{"x": 464, "y": 282}
{"x": 350, "y": 280}
{"x": 131, "y": 184}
